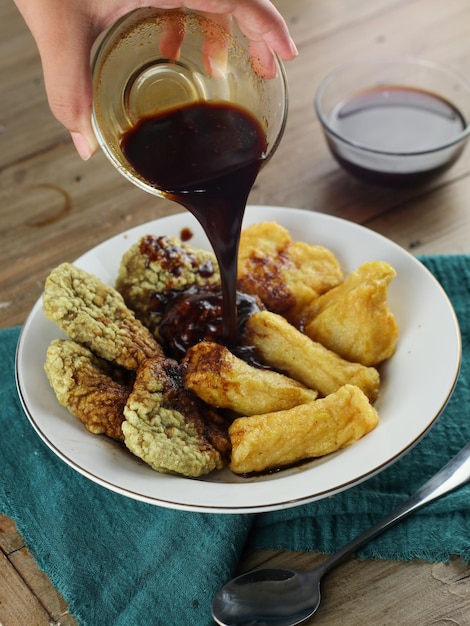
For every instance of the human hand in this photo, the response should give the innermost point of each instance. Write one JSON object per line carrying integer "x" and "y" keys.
{"x": 65, "y": 32}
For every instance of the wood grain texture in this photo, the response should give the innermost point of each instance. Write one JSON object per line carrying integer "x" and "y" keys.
{"x": 54, "y": 207}
{"x": 414, "y": 593}
{"x": 26, "y": 595}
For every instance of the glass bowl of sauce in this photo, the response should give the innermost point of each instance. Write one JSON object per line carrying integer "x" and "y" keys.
{"x": 178, "y": 77}
{"x": 394, "y": 121}
{"x": 183, "y": 111}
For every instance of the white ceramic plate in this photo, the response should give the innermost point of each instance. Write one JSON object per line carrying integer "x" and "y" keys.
{"x": 416, "y": 383}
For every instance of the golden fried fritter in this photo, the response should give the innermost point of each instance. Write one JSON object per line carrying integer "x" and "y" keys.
{"x": 274, "y": 440}
{"x": 95, "y": 315}
{"x": 283, "y": 347}
{"x": 156, "y": 267}
{"x": 168, "y": 427}
{"x": 223, "y": 380}
{"x": 286, "y": 275}
{"x": 354, "y": 319}
{"x": 92, "y": 389}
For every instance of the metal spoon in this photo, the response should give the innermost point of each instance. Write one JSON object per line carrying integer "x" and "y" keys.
{"x": 285, "y": 597}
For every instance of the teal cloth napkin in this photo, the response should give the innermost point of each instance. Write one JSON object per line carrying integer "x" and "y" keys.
{"x": 120, "y": 562}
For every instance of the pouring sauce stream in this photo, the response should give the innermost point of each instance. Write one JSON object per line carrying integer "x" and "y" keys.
{"x": 206, "y": 157}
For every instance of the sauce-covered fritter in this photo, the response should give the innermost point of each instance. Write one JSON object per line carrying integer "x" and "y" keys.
{"x": 223, "y": 380}
{"x": 92, "y": 389}
{"x": 156, "y": 268}
{"x": 95, "y": 315}
{"x": 285, "y": 274}
{"x": 171, "y": 429}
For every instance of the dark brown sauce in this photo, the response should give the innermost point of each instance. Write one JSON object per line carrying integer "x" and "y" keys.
{"x": 196, "y": 314}
{"x": 206, "y": 157}
{"x": 397, "y": 120}
{"x": 302, "y": 463}
{"x": 186, "y": 234}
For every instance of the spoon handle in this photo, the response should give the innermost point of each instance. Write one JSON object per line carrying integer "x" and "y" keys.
{"x": 455, "y": 474}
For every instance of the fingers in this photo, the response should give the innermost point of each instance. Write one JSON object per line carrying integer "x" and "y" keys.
{"x": 262, "y": 59}
{"x": 65, "y": 32}
{"x": 261, "y": 23}
{"x": 172, "y": 37}
{"x": 267, "y": 31}
{"x": 259, "y": 20}
{"x": 215, "y": 51}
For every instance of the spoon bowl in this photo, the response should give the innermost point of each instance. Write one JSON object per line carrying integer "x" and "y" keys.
{"x": 286, "y": 597}
{"x": 260, "y": 591}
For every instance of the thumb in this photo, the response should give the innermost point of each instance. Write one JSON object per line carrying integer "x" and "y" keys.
{"x": 64, "y": 42}
{"x": 67, "y": 77}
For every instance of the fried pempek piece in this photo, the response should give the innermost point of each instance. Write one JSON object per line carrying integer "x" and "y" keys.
{"x": 274, "y": 440}
{"x": 92, "y": 389}
{"x": 223, "y": 380}
{"x": 354, "y": 319}
{"x": 171, "y": 429}
{"x": 283, "y": 347}
{"x": 156, "y": 268}
{"x": 286, "y": 275}
{"x": 95, "y": 315}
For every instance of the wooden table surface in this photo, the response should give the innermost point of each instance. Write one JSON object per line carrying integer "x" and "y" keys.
{"x": 54, "y": 207}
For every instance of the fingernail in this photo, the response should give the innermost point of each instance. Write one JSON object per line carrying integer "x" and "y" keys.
{"x": 295, "y": 52}
{"x": 218, "y": 62}
{"x": 265, "y": 68}
{"x": 82, "y": 146}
